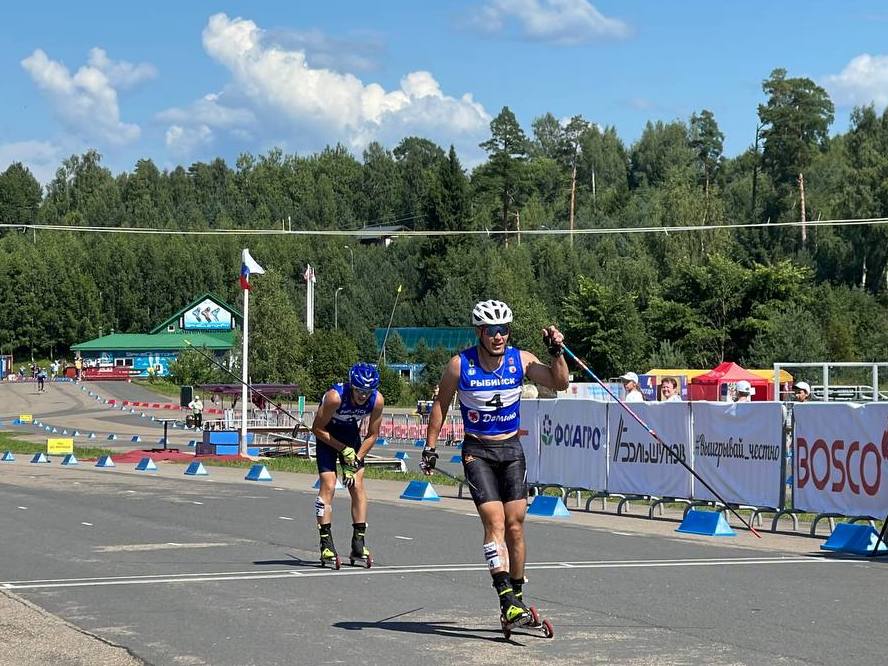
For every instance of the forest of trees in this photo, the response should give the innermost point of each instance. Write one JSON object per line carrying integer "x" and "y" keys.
{"x": 625, "y": 300}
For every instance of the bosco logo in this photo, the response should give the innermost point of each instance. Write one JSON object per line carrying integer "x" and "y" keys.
{"x": 546, "y": 431}
{"x": 474, "y": 416}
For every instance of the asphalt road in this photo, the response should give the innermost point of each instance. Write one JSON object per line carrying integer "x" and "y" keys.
{"x": 219, "y": 570}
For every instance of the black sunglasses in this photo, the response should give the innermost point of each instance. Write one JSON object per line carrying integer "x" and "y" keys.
{"x": 491, "y": 330}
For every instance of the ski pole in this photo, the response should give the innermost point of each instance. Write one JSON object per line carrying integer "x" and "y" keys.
{"x": 880, "y": 540}
{"x": 453, "y": 477}
{"x": 658, "y": 439}
{"x": 242, "y": 382}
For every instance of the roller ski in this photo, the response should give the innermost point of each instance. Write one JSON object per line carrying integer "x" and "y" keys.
{"x": 360, "y": 554}
{"x": 329, "y": 557}
{"x": 514, "y": 614}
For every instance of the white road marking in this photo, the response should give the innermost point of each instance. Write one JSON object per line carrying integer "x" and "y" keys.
{"x": 286, "y": 518}
{"x": 623, "y": 533}
{"x": 141, "y": 547}
{"x": 402, "y": 570}
{"x": 196, "y": 502}
{"x": 23, "y": 508}
{"x": 87, "y": 524}
{"x": 404, "y": 538}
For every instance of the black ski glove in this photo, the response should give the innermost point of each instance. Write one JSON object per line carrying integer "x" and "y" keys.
{"x": 429, "y": 459}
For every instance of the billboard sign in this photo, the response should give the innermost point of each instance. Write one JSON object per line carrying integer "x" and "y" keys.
{"x": 208, "y": 315}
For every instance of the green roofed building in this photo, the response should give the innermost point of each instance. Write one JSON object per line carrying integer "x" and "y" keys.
{"x": 452, "y": 339}
{"x": 207, "y": 322}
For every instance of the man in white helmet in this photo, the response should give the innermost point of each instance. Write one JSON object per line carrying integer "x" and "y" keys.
{"x": 487, "y": 379}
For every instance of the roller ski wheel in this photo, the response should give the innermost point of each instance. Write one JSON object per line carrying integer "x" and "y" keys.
{"x": 333, "y": 562}
{"x": 363, "y": 561}
{"x": 508, "y": 626}
{"x": 540, "y": 624}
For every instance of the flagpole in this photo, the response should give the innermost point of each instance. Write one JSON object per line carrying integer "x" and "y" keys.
{"x": 245, "y": 393}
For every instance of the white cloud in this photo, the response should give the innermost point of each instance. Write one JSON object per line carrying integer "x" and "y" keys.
{"x": 41, "y": 157}
{"x": 185, "y": 141}
{"x": 87, "y": 101}
{"x": 121, "y": 74}
{"x": 863, "y": 81}
{"x": 359, "y": 52}
{"x": 563, "y": 22}
{"x": 288, "y": 96}
{"x": 209, "y": 110}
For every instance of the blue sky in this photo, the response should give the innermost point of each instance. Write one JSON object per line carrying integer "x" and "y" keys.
{"x": 184, "y": 81}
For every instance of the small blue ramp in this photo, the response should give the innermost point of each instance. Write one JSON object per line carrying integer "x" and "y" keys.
{"x": 135, "y": 439}
{"x": 381, "y": 441}
{"x": 105, "y": 461}
{"x": 419, "y": 443}
{"x": 111, "y": 436}
{"x": 196, "y": 469}
{"x": 339, "y": 486}
{"x": 192, "y": 442}
{"x": 91, "y": 435}
{"x": 402, "y": 455}
{"x": 258, "y": 473}
{"x": 69, "y": 460}
{"x": 39, "y": 458}
{"x": 706, "y": 523}
{"x": 8, "y": 457}
{"x": 420, "y": 491}
{"x": 146, "y": 464}
{"x": 548, "y": 506}
{"x": 456, "y": 458}
{"x": 76, "y": 433}
{"x": 854, "y": 539}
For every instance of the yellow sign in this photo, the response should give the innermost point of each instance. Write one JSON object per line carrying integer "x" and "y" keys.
{"x": 25, "y": 418}
{"x": 59, "y": 446}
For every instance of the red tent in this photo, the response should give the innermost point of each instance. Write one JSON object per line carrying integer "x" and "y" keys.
{"x": 718, "y": 383}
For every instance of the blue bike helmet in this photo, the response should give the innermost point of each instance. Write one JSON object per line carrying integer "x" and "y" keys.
{"x": 364, "y": 376}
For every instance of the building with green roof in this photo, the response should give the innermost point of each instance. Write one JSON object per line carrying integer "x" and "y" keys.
{"x": 451, "y": 338}
{"x": 207, "y": 322}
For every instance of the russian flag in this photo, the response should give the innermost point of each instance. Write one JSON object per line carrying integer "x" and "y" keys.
{"x": 248, "y": 265}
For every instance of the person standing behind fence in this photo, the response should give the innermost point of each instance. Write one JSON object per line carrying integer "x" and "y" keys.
{"x": 743, "y": 391}
{"x": 487, "y": 380}
{"x": 337, "y": 429}
{"x": 630, "y": 384}
{"x": 669, "y": 390}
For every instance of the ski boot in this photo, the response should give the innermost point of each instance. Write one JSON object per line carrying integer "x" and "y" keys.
{"x": 513, "y": 612}
{"x": 328, "y": 550}
{"x": 359, "y": 552}
{"x": 537, "y": 623}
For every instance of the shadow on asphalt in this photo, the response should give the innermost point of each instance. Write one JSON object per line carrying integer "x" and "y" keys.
{"x": 446, "y": 629}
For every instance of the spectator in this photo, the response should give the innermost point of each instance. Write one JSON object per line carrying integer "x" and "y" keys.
{"x": 630, "y": 386}
{"x": 743, "y": 391}
{"x": 669, "y": 390}
{"x": 802, "y": 391}
{"x": 196, "y": 407}
{"x": 78, "y": 368}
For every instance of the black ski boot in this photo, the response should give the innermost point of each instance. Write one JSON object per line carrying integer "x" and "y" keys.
{"x": 328, "y": 550}
{"x": 536, "y": 622}
{"x": 359, "y": 552}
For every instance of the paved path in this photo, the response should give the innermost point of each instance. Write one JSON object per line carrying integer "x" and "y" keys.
{"x": 219, "y": 570}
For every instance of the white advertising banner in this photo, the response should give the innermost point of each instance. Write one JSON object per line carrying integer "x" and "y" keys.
{"x": 841, "y": 458}
{"x": 530, "y": 437}
{"x": 738, "y": 451}
{"x": 573, "y": 439}
{"x": 637, "y": 463}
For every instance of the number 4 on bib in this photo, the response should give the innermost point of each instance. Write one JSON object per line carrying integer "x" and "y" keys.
{"x": 495, "y": 401}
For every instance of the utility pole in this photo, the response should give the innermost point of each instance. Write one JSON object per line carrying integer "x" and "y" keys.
{"x": 802, "y": 202}
{"x": 573, "y": 195}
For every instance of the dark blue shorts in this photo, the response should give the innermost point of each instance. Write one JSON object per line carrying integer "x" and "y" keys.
{"x": 327, "y": 457}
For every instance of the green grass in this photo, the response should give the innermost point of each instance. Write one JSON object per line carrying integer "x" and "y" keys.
{"x": 305, "y": 466}
{"x": 9, "y": 443}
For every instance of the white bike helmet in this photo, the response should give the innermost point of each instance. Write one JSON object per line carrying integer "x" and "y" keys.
{"x": 491, "y": 312}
